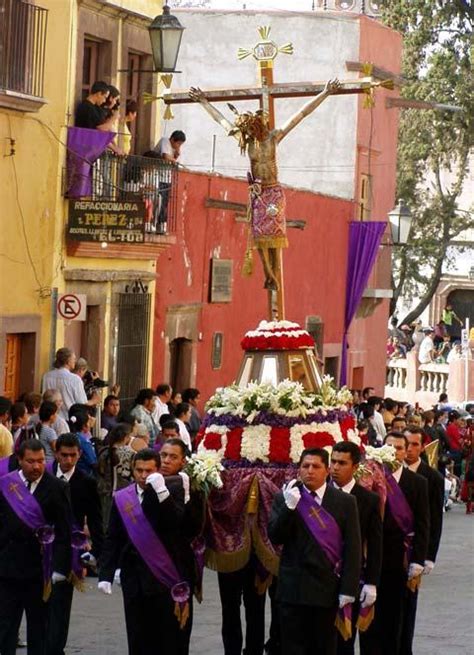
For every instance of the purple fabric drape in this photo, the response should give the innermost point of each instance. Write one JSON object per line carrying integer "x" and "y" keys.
{"x": 84, "y": 147}
{"x": 364, "y": 241}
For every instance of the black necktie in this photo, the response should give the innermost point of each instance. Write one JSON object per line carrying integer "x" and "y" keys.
{"x": 63, "y": 477}
{"x": 28, "y": 485}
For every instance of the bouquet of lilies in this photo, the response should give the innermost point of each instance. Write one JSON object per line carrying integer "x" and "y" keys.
{"x": 204, "y": 470}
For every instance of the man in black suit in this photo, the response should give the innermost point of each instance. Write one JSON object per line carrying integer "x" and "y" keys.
{"x": 345, "y": 459}
{"x": 149, "y": 608}
{"x": 86, "y": 510}
{"x": 435, "y": 482}
{"x": 22, "y": 583}
{"x": 404, "y": 554}
{"x": 310, "y": 587}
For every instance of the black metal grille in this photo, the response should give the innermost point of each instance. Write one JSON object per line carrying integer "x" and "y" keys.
{"x": 22, "y": 47}
{"x": 139, "y": 178}
{"x": 132, "y": 344}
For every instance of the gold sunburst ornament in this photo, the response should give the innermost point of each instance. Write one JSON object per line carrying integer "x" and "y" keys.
{"x": 265, "y": 50}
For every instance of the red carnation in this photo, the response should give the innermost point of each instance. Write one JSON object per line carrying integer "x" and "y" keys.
{"x": 280, "y": 445}
{"x": 317, "y": 439}
{"x": 213, "y": 441}
{"x": 347, "y": 424}
{"x": 234, "y": 441}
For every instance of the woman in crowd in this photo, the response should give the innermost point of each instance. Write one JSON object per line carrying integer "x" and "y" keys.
{"x": 114, "y": 465}
{"x": 455, "y": 440}
{"x": 183, "y": 414}
{"x": 81, "y": 424}
{"x": 48, "y": 413}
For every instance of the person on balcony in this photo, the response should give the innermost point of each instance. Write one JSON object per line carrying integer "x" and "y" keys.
{"x": 451, "y": 320}
{"x": 89, "y": 112}
{"x": 427, "y": 347}
{"x": 124, "y": 134}
{"x": 169, "y": 148}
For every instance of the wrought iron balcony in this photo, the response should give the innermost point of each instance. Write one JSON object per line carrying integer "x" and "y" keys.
{"x": 148, "y": 184}
{"x": 23, "y": 29}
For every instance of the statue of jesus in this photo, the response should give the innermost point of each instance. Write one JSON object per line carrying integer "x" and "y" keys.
{"x": 267, "y": 198}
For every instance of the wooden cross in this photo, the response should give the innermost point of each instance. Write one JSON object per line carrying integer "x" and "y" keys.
{"x": 128, "y": 507}
{"x": 265, "y": 52}
{"x": 13, "y": 488}
{"x": 315, "y": 514}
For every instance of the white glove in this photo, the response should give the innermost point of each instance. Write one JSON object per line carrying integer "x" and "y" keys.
{"x": 414, "y": 570}
{"x": 157, "y": 481}
{"x": 185, "y": 478}
{"x": 368, "y": 595}
{"x": 429, "y": 566}
{"x": 88, "y": 559}
{"x": 105, "y": 587}
{"x": 57, "y": 577}
{"x": 345, "y": 600}
{"x": 291, "y": 494}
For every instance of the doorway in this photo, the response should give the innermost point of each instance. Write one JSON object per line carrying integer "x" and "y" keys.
{"x": 181, "y": 355}
{"x": 19, "y": 374}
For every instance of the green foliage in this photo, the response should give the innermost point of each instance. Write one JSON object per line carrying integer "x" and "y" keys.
{"x": 437, "y": 66}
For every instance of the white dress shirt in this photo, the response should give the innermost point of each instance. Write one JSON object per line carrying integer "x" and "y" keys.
{"x": 65, "y": 476}
{"x": 161, "y": 409}
{"x": 183, "y": 433}
{"x": 398, "y": 474}
{"x": 140, "y": 493}
{"x": 347, "y": 488}
{"x": 414, "y": 467}
{"x": 69, "y": 385}
{"x": 34, "y": 484}
{"x": 319, "y": 492}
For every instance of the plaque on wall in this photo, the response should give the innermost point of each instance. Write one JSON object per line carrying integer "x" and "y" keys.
{"x": 221, "y": 280}
{"x": 106, "y": 221}
{"x": 216, "y": 356}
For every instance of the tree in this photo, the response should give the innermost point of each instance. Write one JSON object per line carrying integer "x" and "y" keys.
{"x": 437, "y": 67}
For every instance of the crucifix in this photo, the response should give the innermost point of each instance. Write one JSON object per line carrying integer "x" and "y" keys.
{"x": 315, "y": 514}
{"x": 128, "y": 507}
{"x": 258, "y": 137}
{"x": 13, "y": 488}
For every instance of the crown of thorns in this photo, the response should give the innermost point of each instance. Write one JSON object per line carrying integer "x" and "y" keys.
{"x": 252, "y": 127}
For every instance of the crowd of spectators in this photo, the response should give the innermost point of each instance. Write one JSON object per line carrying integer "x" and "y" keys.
{"x": 452, "y": 428}
{"x": 440, "y": 344}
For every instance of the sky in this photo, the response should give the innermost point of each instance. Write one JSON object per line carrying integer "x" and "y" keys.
{"x": 295, "y": 5}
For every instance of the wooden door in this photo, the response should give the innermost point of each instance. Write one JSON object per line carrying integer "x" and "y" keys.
{"x": 11, "y": 383}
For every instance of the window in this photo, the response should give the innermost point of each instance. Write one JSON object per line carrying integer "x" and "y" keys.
{"x": 90, "y": 66}
{"x": 365, "y": 197}
{"x": 22, "y": 47}
{"x": 331, "y": 366}
{"x": 216, "y": 356}
{"x": 315, "y": 327}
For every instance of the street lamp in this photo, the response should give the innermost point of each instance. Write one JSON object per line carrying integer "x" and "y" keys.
{"x": 400, "y": 220}
{"x": 165, "y": 35}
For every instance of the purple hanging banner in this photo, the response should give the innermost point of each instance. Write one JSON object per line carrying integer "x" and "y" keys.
{"x": 364, "y": 241}
{"x": 84, "y": 147}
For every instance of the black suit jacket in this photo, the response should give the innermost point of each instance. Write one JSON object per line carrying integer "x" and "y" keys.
{"x": 436, "y": 501}
{"x": 20, "y": 556}
{"x": 86, "y": 506}
{"x": 306, "y": 577}
{"x": 370, "y": 522}
{"x": 415, "y": 489}
{"x": 119, "y": 553}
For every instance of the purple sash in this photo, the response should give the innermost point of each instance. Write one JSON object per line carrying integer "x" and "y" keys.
{"x": 401, "y": 512}
{"x": 151, "y": 549}
{"x": 4, "y": 464}
{"x": 29, "y": 511}
{"x": 326, "y": 532}
{"x": 323, "y": 527}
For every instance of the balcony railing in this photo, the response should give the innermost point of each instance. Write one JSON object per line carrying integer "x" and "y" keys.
{"x": 397, "y": 375}
{"x": 22, "y": 47}
{"x": 150, "y": 181}
{"x": 434, "y": 378}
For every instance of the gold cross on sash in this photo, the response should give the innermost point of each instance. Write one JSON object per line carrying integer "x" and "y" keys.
{"x": 128, "y": 507}
{"x": 315, "y": 514}
{"x": 13, "y": 488}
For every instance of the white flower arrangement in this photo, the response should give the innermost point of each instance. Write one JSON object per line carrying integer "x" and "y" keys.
{"x": 297, "y": 432}
{"x": 383, "y": 455}
{"x": 288, "y": 398}
{"x": 255, "y": 443}
{"x": 204, "y": 470}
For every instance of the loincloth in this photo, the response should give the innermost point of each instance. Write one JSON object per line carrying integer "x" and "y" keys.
{"x": 267, "y": 213}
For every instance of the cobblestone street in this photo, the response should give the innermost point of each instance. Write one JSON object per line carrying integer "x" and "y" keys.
{"x": 445, "y": 615}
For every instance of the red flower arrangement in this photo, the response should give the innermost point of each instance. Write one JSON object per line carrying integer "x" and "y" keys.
{"x": 317, "y": 439}
{"x": 274, "y": 342}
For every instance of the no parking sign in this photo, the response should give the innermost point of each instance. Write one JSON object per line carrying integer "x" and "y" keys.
{"x": 72, "y": 306}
